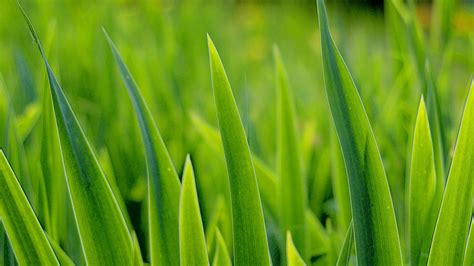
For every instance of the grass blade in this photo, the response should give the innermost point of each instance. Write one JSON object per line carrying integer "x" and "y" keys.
{"x": 469, "y": 254}
{"x": 221, "y": 256}
{"x": 345, "y": 253}
{"x": 449, "y": 240}
{"x": 163, "y": 182}
{"x": 293, "y": 257}
{"x": 292, "y": 182}
{"x": 103, "y": 232}
{"x": 250, "y": 240}
{"x": 424, "y": 188}
{"x": 192, "y": 245}
{"x": 24, "y": 231}
{"x": 375, "y": 228}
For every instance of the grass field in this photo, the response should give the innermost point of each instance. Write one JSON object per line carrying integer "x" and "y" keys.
{"x": 232, "y": 133}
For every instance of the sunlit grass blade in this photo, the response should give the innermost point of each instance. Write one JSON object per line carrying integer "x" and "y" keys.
{"x": 442, "y": 23}
{"x": 424, "y": 188}
{"x": 137, "y": 258}
{"x": 449, "y": 240}
{"x": 292, "y": 256}
{"x": 103, "y": 232}
{"x": 469, "y": 254}
{"x": 292, "y": 182}
{"x": 267, "y": 181}
{"x": 24, "y": 231}
{"x": 345, "y": 253}
{"x": 192, "y": 245}
{"x": 250, "y": 240}
{"x": 163, "y": 181}
{"x": 221, "y": 256}
{"x": 375, "y": 228}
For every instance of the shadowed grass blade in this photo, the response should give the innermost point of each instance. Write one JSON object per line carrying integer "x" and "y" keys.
{"x": 449, "y": 240}
{"x": 292, "y": 182}
{"x": 104, "y": 235}
{"x": 375, "y": 228}
{"x": 192, "y": 245}
{"x": 163, "y": 182}
{"x": 293, "y": 257}
{"x": 250, "y": 239}
{"x": 424, "y": 188}
{"x": 24, "y": 231}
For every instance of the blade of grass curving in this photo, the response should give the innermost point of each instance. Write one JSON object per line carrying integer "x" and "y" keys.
{"x": 163, "y": 181}
{"x": 449, "y": 240}
{"x": 423, "y": 203}
{"x": 221, "y": 256}
{"x": 103, "y": 232}
{"x": 292, "y": 182}
{"x": 345, "y": 253}
{"x": 293, "y": 257}
{"x": 469, "y": 254}
{"x": 28, "y": 241}
{"x": 250, "y": 240}
{"x": 192, "y": 245}
{"x": 375, "y": 228}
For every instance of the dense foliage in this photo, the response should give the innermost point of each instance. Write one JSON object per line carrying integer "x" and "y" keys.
{"x": 310, "y": 138}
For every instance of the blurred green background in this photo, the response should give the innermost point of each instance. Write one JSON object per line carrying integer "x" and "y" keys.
{"x": 164, "y": 44}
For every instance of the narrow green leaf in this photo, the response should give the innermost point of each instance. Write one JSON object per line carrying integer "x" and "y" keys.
{"x": 250, "y": 240}
{"x": 423, "y": 203}
{"x": 192, "y": 245}
{"x": 137, "y": 258}
{"x": 221, "y": 257}
{"x": 340, "y": 184}
{"x": 345, "y": 253}
{"x": 292, "y": 185}
{"x": 267, "y": 183}
{"x": 449, "y": 240}
{"x": 163, "y": 181}
{"x": 63, "y": 258}
{"x": 469, "y": 254}
{"x": 317, "y": 238}
{"x": 441, "y": 23}
{"x": 102, "y": 228}
{"x": 375, "y": 228}
{"x": 24, "y": 231}
{"x": 293, "y": 257}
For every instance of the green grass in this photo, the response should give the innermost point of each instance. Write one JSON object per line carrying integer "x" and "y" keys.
{"x": 313, "y": 137}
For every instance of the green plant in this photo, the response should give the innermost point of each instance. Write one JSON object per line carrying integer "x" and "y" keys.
{"x": 330, "y": 192}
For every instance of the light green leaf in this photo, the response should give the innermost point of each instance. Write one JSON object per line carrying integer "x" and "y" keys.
{"x": 192, "y": 245}
{"x": 163, "y": 181}
{"x": 375, "y": 228}
{"x": 424, "y": 186}
{"x": 340, "y": 184}
{"x": 449, "y": 240}
{"x": 137, "y": 258}
{"x": 63, "y": 258}
{"x": 103, "y": 232}
{"x": 345, "y": 253}
{"x": 221, "y": 257}
{"x": 293, "y": 257}
{"x": 267, "y": 181}
{"x": 24, "y": 231}
{"x": 469, "y": 254}
{"x": 250, "y": 240}
{"x": 292, "y": 182}
{"x": 317, "y": 238}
